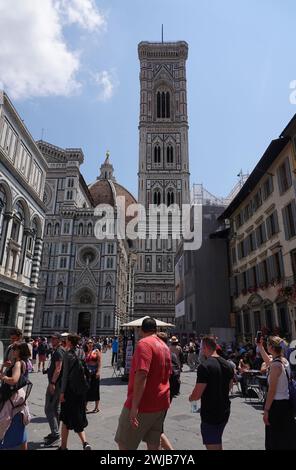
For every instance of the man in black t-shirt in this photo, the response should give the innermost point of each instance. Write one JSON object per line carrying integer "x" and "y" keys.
{"x": 52, "y": 401}
{"x": 214, "y": 381}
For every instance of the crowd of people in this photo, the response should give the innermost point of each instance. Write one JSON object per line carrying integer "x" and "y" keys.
{"x": 74, "y": 373}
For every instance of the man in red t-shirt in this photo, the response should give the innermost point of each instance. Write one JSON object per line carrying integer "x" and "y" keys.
{"x": 148, "y": 396}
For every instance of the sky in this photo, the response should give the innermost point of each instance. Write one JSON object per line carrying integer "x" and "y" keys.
{"x": 71, "y": 69}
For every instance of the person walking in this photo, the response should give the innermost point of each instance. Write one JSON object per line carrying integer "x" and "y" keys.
{"x": 148, "y": 397}
{"x": 73, "y": 394}
{"x": 176, "y": 349}
{"x": 214, "y": 382}
{"x": 93, "y": 359}
{"x": 114, "y": 350}
{"x": 52, "y": 399}
{"x": 280, "y": 427}
{"x": 42, "y": 351}
{"x": 175, "y": 383}
{"x": 13, "y": 406}
{"x": 16, "y": 336}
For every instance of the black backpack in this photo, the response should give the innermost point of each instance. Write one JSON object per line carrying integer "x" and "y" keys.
{"x": 79, "y": 377}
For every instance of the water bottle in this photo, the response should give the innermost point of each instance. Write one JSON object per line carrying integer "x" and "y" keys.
{"x": 194, "y": 407}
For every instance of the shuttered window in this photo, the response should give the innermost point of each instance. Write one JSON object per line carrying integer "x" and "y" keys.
{"x": 289, "y": 219}
{"x": 284, "y": 176}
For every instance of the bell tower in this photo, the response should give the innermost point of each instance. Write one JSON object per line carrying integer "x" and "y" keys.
{"x": 163, "y": 168}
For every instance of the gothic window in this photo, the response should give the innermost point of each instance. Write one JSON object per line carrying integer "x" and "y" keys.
{"x": 70, "y": 183}
{"x": 159, "y": 264}
{"x": 63, "y": 263}
{"x": 60, "y": 293}
{"x": 110, "y": 263}
{"x": 168, "y": 105}
{"x": 88, "y": 256}
{"x": 169, "y": 265}
{"x": 157, "y": 198}
{"x": 18, "y": 221}
{"x": 66, "y": 228}
{"x": 163, "y": 105}
{"x": 107, "y": 320}
{"x": 64, "y": 249}
{"x": 48, "y": 229}
{"x": 46, "y": 319}
{"x": 170, "y": 198}
{"x": 148, "y": 267}
{"x": 89, "y": 229}
{"x": 57, "y": 229}
{"x": 108, "y": 291}
{"x": 3, "y": 201}
{"x": 69, "y": 195}
{"x": 170, "y": 154}
{"x": 57, "y": 320}
{"x": 80, "y": 229}
{"x": 66, "y": 320}
{"x": 32, "y": 238}
{"x": 157, "y": 154}
{"x": 110, "y": 249}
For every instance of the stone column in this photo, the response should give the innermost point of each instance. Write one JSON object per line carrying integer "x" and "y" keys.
{"x": 31, "y": 301}
{"x": 36, "y": 262}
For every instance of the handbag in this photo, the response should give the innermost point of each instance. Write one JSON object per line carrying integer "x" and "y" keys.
{"x": 6, "y": 390}
{"x": 292, "y": 391}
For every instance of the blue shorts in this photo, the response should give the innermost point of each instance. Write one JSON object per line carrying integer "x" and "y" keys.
{"x": 212, "y": 433}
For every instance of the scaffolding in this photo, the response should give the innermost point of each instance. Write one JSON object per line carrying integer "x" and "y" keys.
{"x": 201, "y": 196}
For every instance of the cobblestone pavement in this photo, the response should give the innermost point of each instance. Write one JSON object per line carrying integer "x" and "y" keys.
{"x": 245, "y": 429}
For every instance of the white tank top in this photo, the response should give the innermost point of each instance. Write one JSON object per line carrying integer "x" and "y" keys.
{"x": 282, "y": 388}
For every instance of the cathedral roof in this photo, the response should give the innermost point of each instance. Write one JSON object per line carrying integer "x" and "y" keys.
{"x": 106, "y": 189}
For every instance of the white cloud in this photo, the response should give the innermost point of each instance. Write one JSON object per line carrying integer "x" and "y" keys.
{"x": 107, "y": 82}
{"x": 35, "y": 59}
{"x": 82, "y": 12}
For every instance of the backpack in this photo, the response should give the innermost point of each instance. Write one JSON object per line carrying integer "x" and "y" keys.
{"x": 79, "y": 377}
{"x": 292, "y": 389}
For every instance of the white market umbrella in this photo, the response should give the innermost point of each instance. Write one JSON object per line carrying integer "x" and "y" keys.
{"x": 139, "y": 321}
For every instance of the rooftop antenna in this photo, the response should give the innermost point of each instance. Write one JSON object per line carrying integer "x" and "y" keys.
{"x": 162, "y": 33}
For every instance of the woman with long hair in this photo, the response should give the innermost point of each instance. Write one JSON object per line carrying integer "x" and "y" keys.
{"x": 16, "y": 435}
{"x": 280, "y": 428}
{"x": 93, "y": 359}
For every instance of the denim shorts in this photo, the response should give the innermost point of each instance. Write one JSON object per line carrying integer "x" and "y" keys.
{"x": 212, "y": 433}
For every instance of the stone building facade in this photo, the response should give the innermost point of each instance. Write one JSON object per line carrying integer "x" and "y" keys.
{"x": 163, "y": 169}
{"x": 262, "y": 246}
{"x": 22, "y": 213}
{"x": 87, "y": 278}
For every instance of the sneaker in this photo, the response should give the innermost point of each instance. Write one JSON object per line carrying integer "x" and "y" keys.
{"x": 48, "y": 436}
{"x": 86, "y": 446}
{"x": 51, "y": 441}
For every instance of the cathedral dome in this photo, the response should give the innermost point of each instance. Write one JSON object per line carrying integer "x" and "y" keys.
{"x": 105, "y": 190}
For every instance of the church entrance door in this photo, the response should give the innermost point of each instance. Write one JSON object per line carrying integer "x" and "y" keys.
{"x": 84, "y": 323}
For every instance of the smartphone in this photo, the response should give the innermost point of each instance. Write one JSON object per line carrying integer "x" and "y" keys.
{"x": 259, "y": 336}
